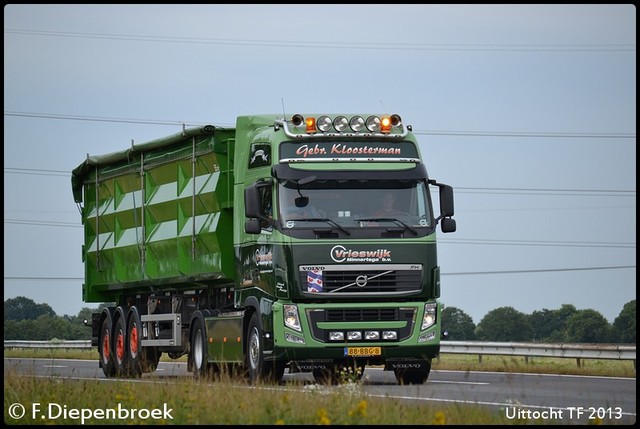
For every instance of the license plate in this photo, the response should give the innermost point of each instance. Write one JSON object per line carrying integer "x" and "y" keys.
{"x": 363, "y": 351}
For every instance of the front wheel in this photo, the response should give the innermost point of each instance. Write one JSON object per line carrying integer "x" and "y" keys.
{"x": 199, "y": 355}
{"x": 257, "y": 368}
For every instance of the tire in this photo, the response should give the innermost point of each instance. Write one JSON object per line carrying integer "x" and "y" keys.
{"x": 257, "y": 369}
{"x": 152, "y": 357}
{"x": 413, "y": 376}
{"x": 136, "y": 356}
{"x": 105, "y": 350}
{"x": 120, "y": 347}
{"x": 199, "y": 355}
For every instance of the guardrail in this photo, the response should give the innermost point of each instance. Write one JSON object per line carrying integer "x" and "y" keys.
{"x": 480, "y": 348}
{"x": 53, "y": 344}
{"x": 575, "y": 351}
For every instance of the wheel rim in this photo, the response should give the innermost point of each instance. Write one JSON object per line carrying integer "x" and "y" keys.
{"x": 254, "y": 349}
{"x": 120, "y": 346}
{"x": 133, "y": 341}
{"x": 106, "y": 354}
{"x": 198, "y": 348}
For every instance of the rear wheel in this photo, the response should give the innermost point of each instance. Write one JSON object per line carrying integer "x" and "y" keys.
{"x": 135, "y": 353}
{"x": 120, "y": 348}
{"x": 104, "y": 348}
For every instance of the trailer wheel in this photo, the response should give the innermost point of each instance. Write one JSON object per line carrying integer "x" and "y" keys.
{"x": 104, "y": 348}
{"x": 120, "y": 347}
{"x": 257, "y": 368}
{"x": 199, "y": 356}
{"x": 135, "y": 353}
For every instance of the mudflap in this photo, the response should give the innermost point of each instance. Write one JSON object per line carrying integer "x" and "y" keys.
{"x": 311, "y": 365}
{"x": 405, "y": 364}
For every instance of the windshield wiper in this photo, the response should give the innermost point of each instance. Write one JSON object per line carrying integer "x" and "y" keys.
{"x": 323, "y": 219}
{"x": 386, "y": 219}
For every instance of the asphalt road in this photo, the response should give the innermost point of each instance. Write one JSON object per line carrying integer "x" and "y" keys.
{"x": 561, "y": 399}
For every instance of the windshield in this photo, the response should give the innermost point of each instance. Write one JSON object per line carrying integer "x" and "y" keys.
{"x": 351, "y": 205}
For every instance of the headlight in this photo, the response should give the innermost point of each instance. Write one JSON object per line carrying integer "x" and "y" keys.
{"x": 373, "y": 124}
{"x": 356, "y": 123}
{"x": 291, "y": 318}
{"x": 429, "y": 318}
{"x": 340, "y": 123}
{"x": 324, "y": 123}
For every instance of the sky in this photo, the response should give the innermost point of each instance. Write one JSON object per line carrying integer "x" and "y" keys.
{"x": 528, "y": 111}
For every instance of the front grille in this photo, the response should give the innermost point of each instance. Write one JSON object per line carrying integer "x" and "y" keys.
{"x": 405, "y": 314}
{"x": 392, "y": 280}
{"x": 361, "y": 315}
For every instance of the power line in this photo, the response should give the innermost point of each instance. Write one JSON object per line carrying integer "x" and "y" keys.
{"x": 468, "y": 273}
{"x": 42, "y": 223}
{"x": 549, "y": 270}
{"x": 96, "y": 118}
{"x": 586, "y": 244}
{"x": 44, "y": 278}
{"x": 471, "y": 190}
{"x": 528, "y": 134}
{"x": 36, "y": 172}
{"x": 539, "y": 243}
{"x": 416, "y": 132}
{"x": 504, "y": 47}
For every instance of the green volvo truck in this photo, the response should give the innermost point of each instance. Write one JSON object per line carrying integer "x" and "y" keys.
{"x": 304, "y": 243}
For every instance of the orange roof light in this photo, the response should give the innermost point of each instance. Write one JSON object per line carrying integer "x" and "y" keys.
{"x": 385, "y": 124}
{"x": 311, "y": 125}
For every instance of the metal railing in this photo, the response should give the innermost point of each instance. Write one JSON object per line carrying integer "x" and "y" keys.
{"x": 576, "y": 351}
{"x": 53, "y": 344}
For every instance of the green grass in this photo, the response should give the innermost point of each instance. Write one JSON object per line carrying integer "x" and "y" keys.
{"x": 232, "y": 401}
{"x": 227, "y": 402}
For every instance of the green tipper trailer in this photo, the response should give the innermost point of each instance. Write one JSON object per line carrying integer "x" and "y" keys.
{"x": 264, "y": 247}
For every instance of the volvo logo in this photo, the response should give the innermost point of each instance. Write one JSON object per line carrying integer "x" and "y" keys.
{"x": 361, "y": 280}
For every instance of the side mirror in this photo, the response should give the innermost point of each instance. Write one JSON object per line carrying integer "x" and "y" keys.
{"x": 252, "y": 202}
{"x": 252, "y": 226}
{"x": 448, "y": 225}
{"x": 446, "y": 200}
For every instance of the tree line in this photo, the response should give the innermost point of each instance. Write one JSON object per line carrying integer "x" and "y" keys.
{"x": 24, "y": 319}
{"x": 565, "y": 325}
